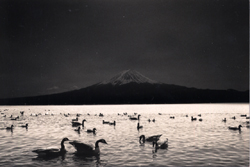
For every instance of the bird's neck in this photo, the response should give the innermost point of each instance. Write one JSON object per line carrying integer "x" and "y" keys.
{"x": 62, "y": 146}
{"x": 97, "y": 144}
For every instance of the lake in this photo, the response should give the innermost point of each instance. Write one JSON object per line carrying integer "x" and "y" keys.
{"x": 190, "y": 143}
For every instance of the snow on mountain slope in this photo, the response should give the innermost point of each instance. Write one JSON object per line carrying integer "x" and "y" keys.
{"x": 128, "y": 76}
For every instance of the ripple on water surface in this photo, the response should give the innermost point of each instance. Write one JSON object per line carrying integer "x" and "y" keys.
{"x": 191, "y": 143}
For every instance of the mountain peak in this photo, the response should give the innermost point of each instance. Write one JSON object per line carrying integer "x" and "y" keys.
{"x": 128, "y": 76}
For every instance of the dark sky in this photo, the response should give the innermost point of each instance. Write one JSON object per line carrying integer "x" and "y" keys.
{"x": 54, "y": 46}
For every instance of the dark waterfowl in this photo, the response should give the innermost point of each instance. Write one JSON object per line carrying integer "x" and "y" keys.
{"x": 100, "y": 115}
{"x": 52, "y": 152}
{"x": 86, "y": 149}
{"x": 233, "y": 117}
{"x": 200, "y": 119}
{"x": 153, "y": 120}
{"x": 105, "y": 122}
{"x": 193, "y": 119}
{"x": 172, "y": 117}
{"x": 134, "y": 118}
{"x": 142, "y": 138}
{"x": 243, "y": 115}
{"x": 138, "y": 126}
{"x": 91, "y": 131}
{"x": 75, "y": 119}
{"x": 199, "y": 115}
{"x": 22, "y": 112}
{"x": 149, "y": 120}
{"x": 14, "y": 119}
{"x": 235, "y": 128}
{"x": 112, "y": 123}
{"x": 224, "y": 120}
{"x": 78, "y": 123}
{"x": 10, "y": 128}
{"x": 24, "y": 126}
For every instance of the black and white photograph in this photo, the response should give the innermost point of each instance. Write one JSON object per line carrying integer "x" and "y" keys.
{"x": 124, "y": 83}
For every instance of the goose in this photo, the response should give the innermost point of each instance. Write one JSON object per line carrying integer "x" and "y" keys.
{"x": 91, "y": 131}
{"x": 134, "y": 118}
{"x": 193, "y": 119}
{"x": 75, "y": 119}
{"x": 24, "y": 126}
{"x": 52, "y": 151}
{"x": 78, "y": 123}
{"x": 105, "y": 122}
{"x": 164, "y": 145}
{"x": 138, "y": 126}
{"x": 112, "y": 123}
{"x": 9, "y": 128}
{"x": 86, "y": 149}
{"x": 235, "y": 128}
{"x": 142, "y": 138}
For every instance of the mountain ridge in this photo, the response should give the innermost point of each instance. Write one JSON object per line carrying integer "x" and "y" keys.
{"x": 131, "y": 87}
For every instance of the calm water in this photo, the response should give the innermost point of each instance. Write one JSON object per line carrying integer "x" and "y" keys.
{"x": 206, "y": 143}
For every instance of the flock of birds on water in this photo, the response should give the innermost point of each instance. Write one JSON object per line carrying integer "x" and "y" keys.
{"x": 88, "y": 150}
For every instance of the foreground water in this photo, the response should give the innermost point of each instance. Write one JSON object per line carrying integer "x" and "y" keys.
{"x": 191, "y": 143}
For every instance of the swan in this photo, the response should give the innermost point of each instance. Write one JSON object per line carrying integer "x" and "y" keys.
{"x": 24, "y": 126}
{"x": 138, "y": 126}
{"x": 91, "y": 131}
{"x": 52, "y": 151}
{"x": 142, "y": 138}
{"x": 134, "y": 118}
{"x": 235, "y": 128}
{"x": 86, "y": 149}
{"x": 164, "y": 145}
{"x": 78, "y": 123}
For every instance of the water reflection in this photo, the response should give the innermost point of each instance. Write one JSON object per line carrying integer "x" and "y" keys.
{"x": 48, "y": 158}
{"x": 88, "y": 159}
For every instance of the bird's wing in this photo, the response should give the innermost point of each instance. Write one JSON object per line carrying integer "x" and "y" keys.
{"x": 81, "y": 146}
{"x": 155, "y": 137}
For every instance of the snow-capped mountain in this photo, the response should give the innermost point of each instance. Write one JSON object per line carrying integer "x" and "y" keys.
{"x": 128, "y": 76}
{"x": 131, "y": 87}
